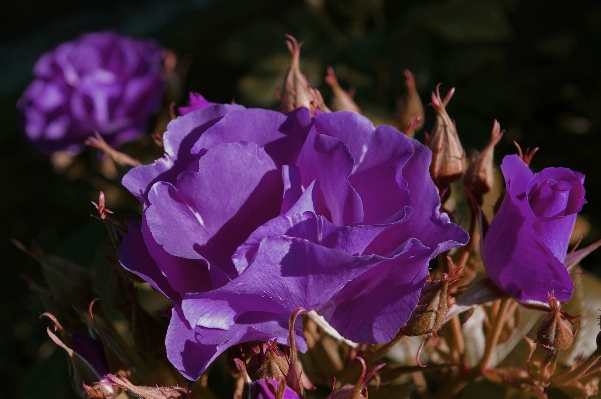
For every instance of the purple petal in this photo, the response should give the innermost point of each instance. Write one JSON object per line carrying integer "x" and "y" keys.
{"x": 517, "y": 174}
{"x": 195, "y": 101}
{"x": 134, "y": 257}
{"x": 328, "y": 160}
{"x": 174, "y": 225}
{"x": 178, "y": 270}
{"x": 237, "y": 188}
{"x": 378, "y": 177}
{"x": 426, "y": 224}
{"x": 181, "y": 134}
{"x": 278, "y": 133}
{"x": 373, "y": 307}
{"x": 292, "y": 186}
{"x": 286, "y": 273}
{"x": 191, "y": 350}
{"x": 353, "y": 129}
{"x": 556, "y": 192}
{"x": 300, "y": 211}
{"x": 265, "y": 389}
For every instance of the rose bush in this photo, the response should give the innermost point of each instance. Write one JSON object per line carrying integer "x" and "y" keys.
{"x": 527, "y": 241}
{"x": 253, "y": 213}
{"x": 101, "y": 82}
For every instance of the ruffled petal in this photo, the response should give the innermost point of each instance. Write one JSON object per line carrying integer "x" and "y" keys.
{"x": 378, "y": 177}
{"x": 178, "y": 270}
{"x": 286, "y": 273}
{"x": 281, "y": 135}
{"x": 352, "y": 128}
{"x": 374, "y": 306}
{"x": 427, "y": 224}
{"x": 134, "y": 257}
{"x": 328, "y": 160}
{"x": 237, "y": 188}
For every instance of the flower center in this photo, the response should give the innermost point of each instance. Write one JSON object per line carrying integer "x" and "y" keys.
{"x": 550, "y": 198}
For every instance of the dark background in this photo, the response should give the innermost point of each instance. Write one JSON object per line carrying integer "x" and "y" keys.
{"x": 533, "y": 65}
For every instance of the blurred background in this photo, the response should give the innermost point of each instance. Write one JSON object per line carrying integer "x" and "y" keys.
{"x": 533, "y": 65}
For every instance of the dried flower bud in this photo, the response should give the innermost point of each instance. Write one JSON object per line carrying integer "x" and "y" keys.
{"x": 343, "y": 100}
{"x": 432, "y": 307}
{"x": 296, "y": 92}
{"x": 480, "y": 178}
{"x": 448, "y": 157}
{"x": 266, "y": 361}
{"x": 556, "y": 332}
{"x": 409, "y": 108}
{"x": 359, "y": 390}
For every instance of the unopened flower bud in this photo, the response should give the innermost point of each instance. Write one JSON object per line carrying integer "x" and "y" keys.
{"x": 448, "y": 157}
{"x": 266, "y": 361}
{"x": 432, "y": 307}
{"x": 480, "y": 178}
{"x": 343, "y": 100}
{"x": 556, "y": 332}
{"x": 409, "y": 108}
{"x": 296, "y": 92}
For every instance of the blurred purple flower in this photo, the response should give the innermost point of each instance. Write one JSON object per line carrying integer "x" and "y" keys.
{"x": 195, "y": 101}
{"x": 101, "y": 82}
{"x": 527, "y": 241}
{"x": 253, "y": 213}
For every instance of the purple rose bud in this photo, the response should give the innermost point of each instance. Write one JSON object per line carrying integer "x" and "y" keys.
{"x": 527, "y": 241}
{"x": 195, "y": 101}
{"x": 254, "y": 213}
{"x": 101, "y": 82}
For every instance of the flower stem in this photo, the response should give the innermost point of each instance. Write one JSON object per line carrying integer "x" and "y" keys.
{"x": 578, "y": 371}
{"x": 458, "y": 341}
{"x": 495, "y": 333}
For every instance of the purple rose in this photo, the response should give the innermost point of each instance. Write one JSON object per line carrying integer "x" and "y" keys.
{"x": 252, "y": 214}
{"x": 101, "y": 82}
{"x": 195, "y": 101}
{"x": 527, "y": 241}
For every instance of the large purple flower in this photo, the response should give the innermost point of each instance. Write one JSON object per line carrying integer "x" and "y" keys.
{"x": 527, "y": 241}
{"x": 101, "y": 82}
{"x": 253, "y": 213}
